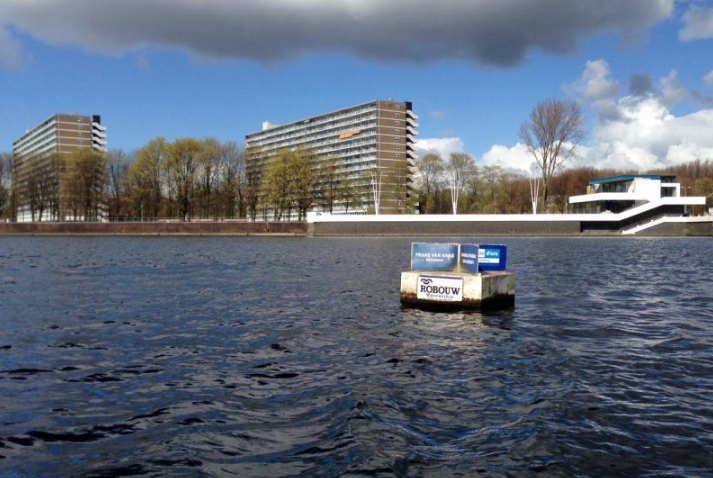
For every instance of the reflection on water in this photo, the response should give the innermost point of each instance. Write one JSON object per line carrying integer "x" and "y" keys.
{"x": 293, "y": 357}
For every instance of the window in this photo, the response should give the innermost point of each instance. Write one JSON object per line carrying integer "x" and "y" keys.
{"x": 398, "y": 147}
{"x": 397, "y": 131}
{"x": 397, "y": 139}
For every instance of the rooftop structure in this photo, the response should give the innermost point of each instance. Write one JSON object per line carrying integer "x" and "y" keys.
{"x": 370, "y": 147}
{"x": 36, "y": 178}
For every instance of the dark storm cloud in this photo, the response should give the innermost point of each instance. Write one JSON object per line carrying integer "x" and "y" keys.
{"x": 641, "y": 85}
{"x": 705, "y": 100}
{"x": 497, "y": 33}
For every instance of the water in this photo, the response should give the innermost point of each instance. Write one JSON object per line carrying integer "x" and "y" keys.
{"x": 292, "y": 357}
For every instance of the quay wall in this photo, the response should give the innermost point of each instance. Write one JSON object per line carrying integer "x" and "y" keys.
{"x": 447, "y": 228}
{"x": 679, "y": 229}
{"x": 227, "y": 228}
{"x": 343, "y": 228}
{"x": 497, "y": 228}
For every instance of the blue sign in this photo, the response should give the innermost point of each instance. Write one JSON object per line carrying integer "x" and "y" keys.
{"x": 492, "y": 257}
{"x": 469, "y": 258}
{"x": 434, "y": 257}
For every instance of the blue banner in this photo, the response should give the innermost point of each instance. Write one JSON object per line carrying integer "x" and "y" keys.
{"x": 492, "y": 257}
{"x": 469, "y": 258}
{"x": 434, "y": 257}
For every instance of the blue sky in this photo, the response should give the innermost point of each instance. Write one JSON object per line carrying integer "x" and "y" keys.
{"x": 473, "y": 69}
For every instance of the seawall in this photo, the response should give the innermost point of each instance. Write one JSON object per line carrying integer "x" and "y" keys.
{"x": 227, "y": 228}
{"x": 515, "y": 228}
{"x": 344, "y": 229}
{"x": 446, "y": 228}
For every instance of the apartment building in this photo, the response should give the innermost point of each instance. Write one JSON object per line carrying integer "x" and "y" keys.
{"x": 36, "y": 178}
{"x": 371, "y": 147}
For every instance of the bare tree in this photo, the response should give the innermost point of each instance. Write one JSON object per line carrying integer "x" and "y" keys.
{"x": 5, "y": 181}
{"x": 233, "y": 179}
{"x": 460, "y": 170}
{"x": 552, "y": 135}
{"x": 430, "y": 169}
{"x": 118, "y": 163}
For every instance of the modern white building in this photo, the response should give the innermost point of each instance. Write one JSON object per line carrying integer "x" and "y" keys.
{"x": 623, "y": 193}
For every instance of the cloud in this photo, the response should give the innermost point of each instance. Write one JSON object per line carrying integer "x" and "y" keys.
{"x": 437, "y": 114}
{"x": 697, "y": 24}
{"x": 708, "y": 79}
{"x": 510, "y": 158}
{"x": 596, "y": 87}
{"x": 672, "y": 91}
{"x": 441, "y": 146}
{"x": 636, "y": 131}
{"x": 595, "y": 83}
{"x": 641, "y": 85}
{"x": 11, "y": 54}
{"x": 498, "y": 33}
{"x": 640, "y": 131}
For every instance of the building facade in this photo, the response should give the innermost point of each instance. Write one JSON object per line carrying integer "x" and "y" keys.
{"x": 369, "y": 147}
{"x": 622, "y": 193}
{"x": 37, "y": 174}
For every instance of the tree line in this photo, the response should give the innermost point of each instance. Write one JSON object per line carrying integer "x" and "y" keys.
{"x": 187, "y": 179}
{"x": 458, "y": 182}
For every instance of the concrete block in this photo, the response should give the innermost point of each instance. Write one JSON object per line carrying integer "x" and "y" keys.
{"x": 478, "y": 291}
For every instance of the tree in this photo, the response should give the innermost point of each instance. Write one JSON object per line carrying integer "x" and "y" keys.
{"x": 704, "y": 187}
{"x": 329, "y": 183}
{"x": 288, "y": 183}
{"x": 552, "y": 135}
{"x": 430, "y": 168}
{"x": 302, "y": 167}
{"x": 145, "y": 179}
{"x": 207, "y": 176}
{"x": 277, "y": 184}
{"x": 233, "y": 180}
{"x": 459, "y": 171}
{"x": 181, "y": 164}
{"x": 5, "y": 182}
{"x": 83, "y": 180}
{"x": 117, "y": 182}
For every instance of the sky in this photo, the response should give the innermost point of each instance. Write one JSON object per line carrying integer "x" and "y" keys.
{"x": 642, "y": 70}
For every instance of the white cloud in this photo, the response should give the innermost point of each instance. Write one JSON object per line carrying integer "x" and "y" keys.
{"x": 697, "y": 24}
{"x": 441, "y": 146}
{"x": 11, "y": 53}
{"x": 642, "y": 133}
{"x": 595, "y": 83}
{"x": 671, "y": 89}
{"x": 514, "y": 158}
{"x": 637, "y": 131}
{"x": 500, "y": 33}
{"x": 708, "y": 79}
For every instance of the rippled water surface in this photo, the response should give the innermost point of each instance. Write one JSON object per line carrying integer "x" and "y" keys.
{"x": 271, "y": 357}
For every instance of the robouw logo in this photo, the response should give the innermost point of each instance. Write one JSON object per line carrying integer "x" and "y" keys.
{"x": 427, "y": 288}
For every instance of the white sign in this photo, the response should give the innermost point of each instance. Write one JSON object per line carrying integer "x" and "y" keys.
{"x": 439, "y": 288}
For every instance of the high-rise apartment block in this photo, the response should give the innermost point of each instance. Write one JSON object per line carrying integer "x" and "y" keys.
{"x": 36, "y": 177}
{"x": 371, "y": 147}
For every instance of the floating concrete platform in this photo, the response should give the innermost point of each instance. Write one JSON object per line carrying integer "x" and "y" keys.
{"x": 456, "y": 290}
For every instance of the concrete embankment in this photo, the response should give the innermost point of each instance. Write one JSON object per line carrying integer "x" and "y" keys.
{"x": 498, "y": 228}
{"x": 447, "y": 228}
{"x": 227, "y": 228}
